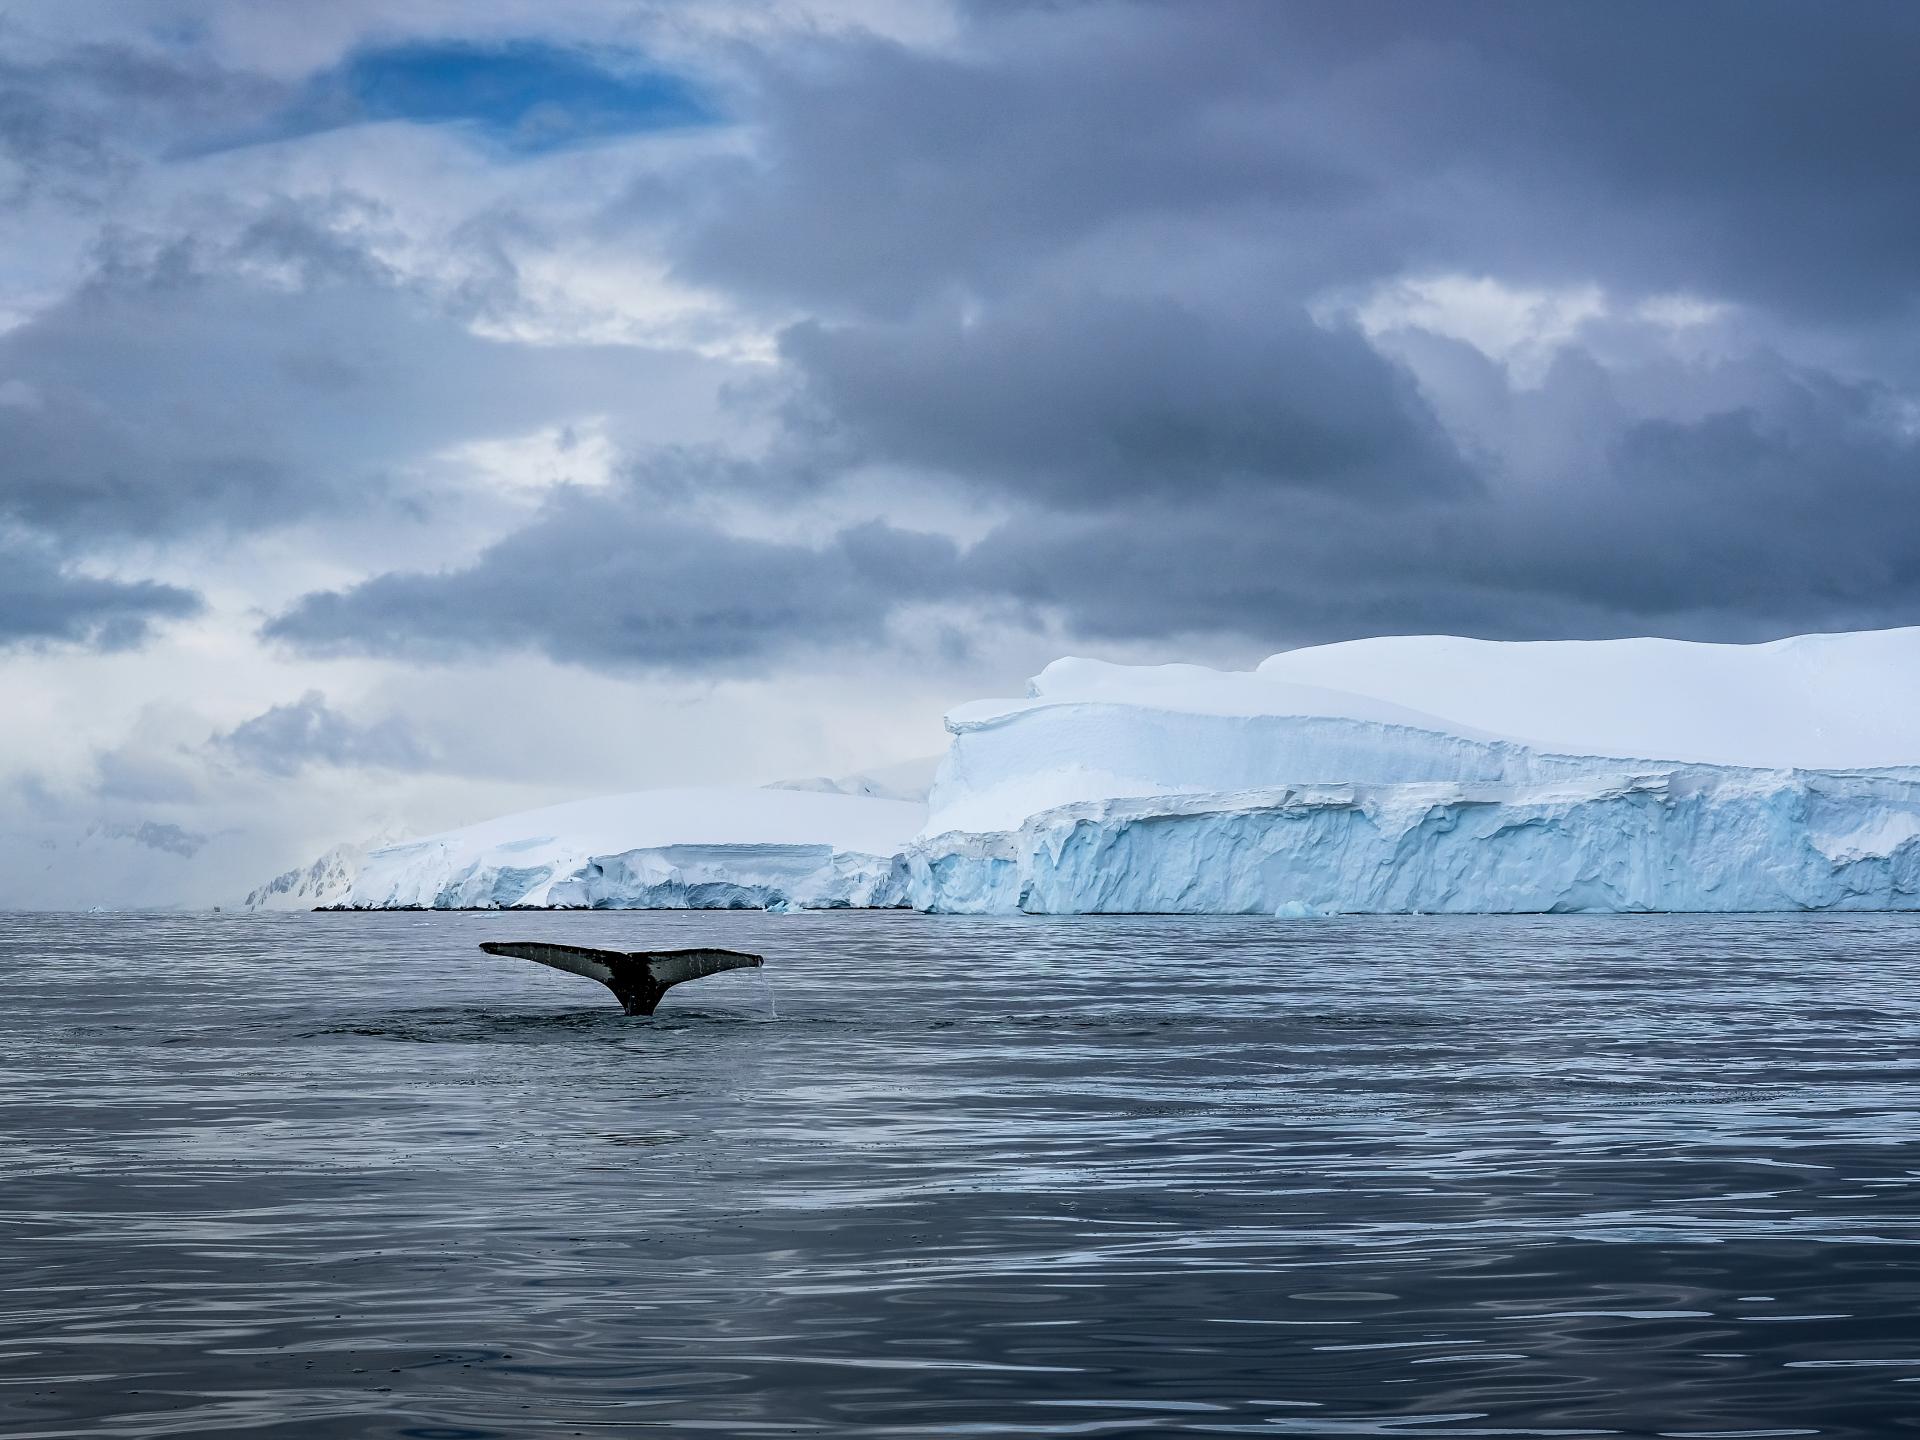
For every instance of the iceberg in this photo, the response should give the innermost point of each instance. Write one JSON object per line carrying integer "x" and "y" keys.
{"x": 1469, "y": 776}
{"x": 706, "y": 848}
{"x": 1401, "y": 774}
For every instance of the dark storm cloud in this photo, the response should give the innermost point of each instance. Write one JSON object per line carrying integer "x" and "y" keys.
{"x": 168, "y": 838}
{"x": 1226, "y": 163}
{"x": 605, "y": 579}
{"x": 1755, "y": 149}
{"x": 287, "y": 738}
{"x": 77, "y": 469}
{"x": 1752, "y": 149}
{"x": 1085, "y": 398}
{"x": 891, "y": 172}
{"x": 251, "y": 384}
{"x": 278, "y": 377}
{"x": 1063, "y": 267}
{"x": 43, "y": 602}
{"x": 1740, "y": 523}
{"x": 72, "y": 119}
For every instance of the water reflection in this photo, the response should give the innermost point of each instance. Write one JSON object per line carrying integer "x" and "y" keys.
{"x": 343, "y": 1175}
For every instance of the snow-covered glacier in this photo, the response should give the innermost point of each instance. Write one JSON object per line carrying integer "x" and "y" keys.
{"x": 707, "y": 848}
{"x": 1401, "y": 774}
{"x": 1183, "y": 789}
{"x": 326, "y": 883}
{"x": 319, "y": 886}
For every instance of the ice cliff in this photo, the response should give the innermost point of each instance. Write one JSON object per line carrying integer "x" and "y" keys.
{"x": 1468, "y": 776}
{"x": 1653, "y": 838}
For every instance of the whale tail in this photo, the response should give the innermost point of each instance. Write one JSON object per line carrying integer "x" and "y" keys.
{"x": 638, "y": 978}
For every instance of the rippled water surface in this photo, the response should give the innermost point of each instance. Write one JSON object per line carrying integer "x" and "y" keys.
{"x": 343, "y": 1175}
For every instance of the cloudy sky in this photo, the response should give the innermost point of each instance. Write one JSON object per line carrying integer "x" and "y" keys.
{"x": 410, "y": 412}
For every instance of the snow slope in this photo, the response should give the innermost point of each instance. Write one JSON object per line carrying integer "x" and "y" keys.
{"x": 1428, "y": 708}
{"x": 1819, "y": 702}
{"x": 908, "y": 780}
{"x": 1090, "y": 730}
{"x": 705, "y": 848}
{"x": 326, "y": 882}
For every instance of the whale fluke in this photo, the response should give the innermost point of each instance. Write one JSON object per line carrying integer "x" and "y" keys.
{"x": 638, "y": 978}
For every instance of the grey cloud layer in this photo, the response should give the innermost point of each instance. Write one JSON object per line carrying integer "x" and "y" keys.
{"x": 44, "y": 602}
{"x": 1083, "y": 398}
{"x": 76, "y": 121}
{"x": 605, "y": 579}
{"x": 1742, "y": 525}
{"x": 1755, "y": 147}
{"x": 277, "y": 378}
{"x": 167, "y": 838}
{"x": 1063, "y": 269}
{"x": 287, "y": 738}
{"x": 177, "y": 390}
{"x": 1067, "y": 265}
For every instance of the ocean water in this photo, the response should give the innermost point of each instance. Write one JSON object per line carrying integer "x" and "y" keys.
{"x": 343, "y": 1175}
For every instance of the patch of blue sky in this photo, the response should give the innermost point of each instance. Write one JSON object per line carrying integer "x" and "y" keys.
{"x": 523, "y": 96}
